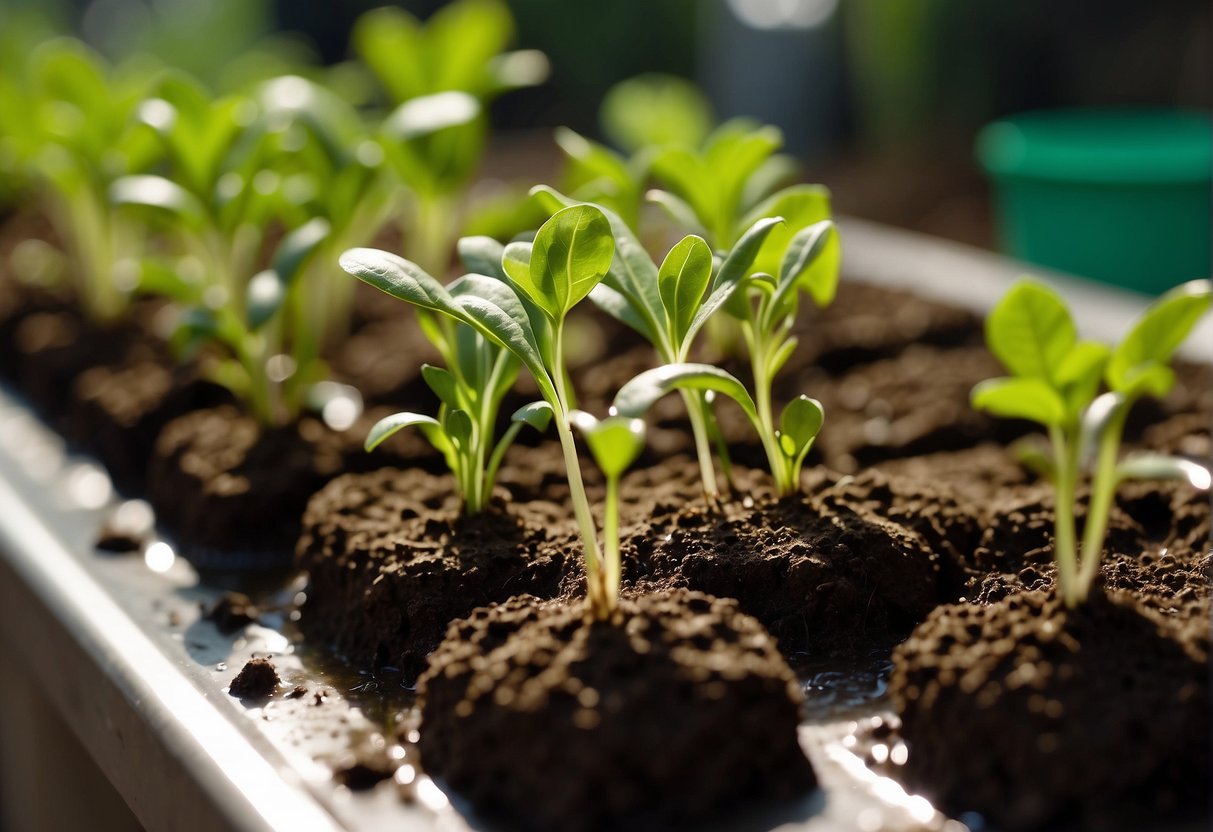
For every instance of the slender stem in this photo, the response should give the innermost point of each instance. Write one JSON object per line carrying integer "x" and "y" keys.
{"x": 610, "y": 540}
{"x": 600, "y": 604}
{"x": 1099, "y": 505}
{"x": 703, "y": 450}
{"x": 1063, "y": 514}
{"x": 759, "y": 350}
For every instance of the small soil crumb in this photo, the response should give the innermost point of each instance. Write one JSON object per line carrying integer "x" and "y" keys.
{"x": 233, "y": 612}
{"x": 365, "y": 766}
{"x": 256, "y": 680}
{"x": 297, "y": 692}
{"x": 128, "y": 528}
{"x": 677, "y": 710}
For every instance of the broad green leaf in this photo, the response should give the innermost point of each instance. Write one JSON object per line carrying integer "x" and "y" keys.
{"x": 389, "y": 425}
{"x": 811, "y": 262}
{"x": 618, "y": 307}
{"x": 1148, "y": 466}
{"x": 497, "y": 292}
{"x": 389, "y": 41}
{"x": 593, "y": 161}
{"x": 536, "y": 414}
{"x": 799, "y": 424}
{"x": 463, "y": 37}
{"x": 444, "y": 385}
{"x": 516, "y": 261}
{"x": 457, "y": 425}
{"x": 632, "y": 271}
{"x": 507, "y": 331}
{"x": 1079, "y": 374}
{"x": 682, "y": 280}
{"x": 570, "y": 256}
{"x": 800, "y": 206}
{"x": 1020, "y": 398}
{"x": 642, "y": 392}
{"x": 399, "y": 278}
{"x": 482, "y": 255}
{"x": 654, "y": 110}
{"x": 1030, "y": 331}
{"x": 615, "y": 442}
{"x": 1160, "y": 330}
{"x": 1147, "y": 379}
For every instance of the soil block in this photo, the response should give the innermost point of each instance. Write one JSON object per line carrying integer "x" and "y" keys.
{"x": 1033, "y": 715}
{"x": 676, "y": 710}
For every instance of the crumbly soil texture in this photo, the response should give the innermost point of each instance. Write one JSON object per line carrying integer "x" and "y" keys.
{"x": 675, "y": 711}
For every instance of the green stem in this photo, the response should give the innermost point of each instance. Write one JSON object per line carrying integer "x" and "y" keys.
{"x": 433, "y": 229}
{"x": 1064, "y": 538}
{"x": 1099, "y": 505}
{"x": 759, "y": 351}
{"x": 600, "y": 603}
{"x": 610, "y": 540}
{"x": 707, "y": 470}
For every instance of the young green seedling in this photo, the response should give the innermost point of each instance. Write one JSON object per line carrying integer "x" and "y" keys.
{"x": 441, "y": 75}
{"x": 70, "y": 128}
{"x": 766, "y": 307}
{"x": 669, "y": 304}
{"x": 526, "y": 315}
{"x": 479, "y": 373}
{"x": 223, "y": 199}
{"x": 615, "y": 443}
{"x": 1055, "y": 381}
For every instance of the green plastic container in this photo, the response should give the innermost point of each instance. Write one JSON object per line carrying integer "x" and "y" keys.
{"x": 1121, "y": 195}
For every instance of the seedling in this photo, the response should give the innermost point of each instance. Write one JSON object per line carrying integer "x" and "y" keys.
{"x": 69, "y": 128}
{"x": 669, "y": 304}
{"x": 479, "y": 373}
{"x": 524, "y": 314}
{"x": 1055, "y": 381}
{"x": 224, "y": 198}
{"x": 766, "y": 308}
{"x": 441, "y": 75}
{"x": 615, "y": 443}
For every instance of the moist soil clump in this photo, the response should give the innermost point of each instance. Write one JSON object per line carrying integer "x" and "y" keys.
{"x": 233, "y": 612}
{"x": 853, "y": 565}
{"x": 393, "y": 560}
{"x": 676, "y": 710}
{"x": 1033, "y": 715}
{"x": 258, "y": 679}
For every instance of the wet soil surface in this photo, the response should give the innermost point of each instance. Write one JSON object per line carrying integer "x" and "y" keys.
{"x": 678, "y": 710}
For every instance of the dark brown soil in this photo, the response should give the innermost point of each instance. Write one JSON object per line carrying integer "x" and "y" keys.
{"x": 855, "y": 564}
{"x": 678, "y": 710}
{"x": 393, "y": 561}
{"x": 258, "y": 679}
{"x": 233, "y": 612}
{"x": 1033, "y": 715}
{"x": 232, "y": 492}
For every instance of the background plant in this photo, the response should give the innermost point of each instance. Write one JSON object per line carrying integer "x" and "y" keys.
{"x": 1055, "y": 381}
{"x": 526, "y": 314}
{"x": 441, "y": 76}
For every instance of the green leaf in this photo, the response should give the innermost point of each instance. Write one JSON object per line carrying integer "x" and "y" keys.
{"x": 642, "y": 392}
{"x": 163, "y": 194}
{"x": 632, "y": 271}
{"x": 443, "y": 384}
{"x": 1148, "y": 466}
{"x": 800, "y": 206}
{"x": 1080, "y": 372}
{"x": 507, "y": 331}
{"x": 536, "y": 414}
{"x": 571, "y": 254}
{"x": 457, "y": 425}
{"x": 1148, "y": 379}
{"x": 678, "y": 209}
{"x": 430, "y": 114}
{"x": 1035, "y": 454}
{"x": 1159, "y": 331}
{"x": 1020, "y": 398}
{"x": 399, "y": 278}
{"x": 811, "y": 262}
{"x": 268, "y": 289}
{"x": 799, "y": 424}
{"x": 1030, "y": 331}
{"x": 729, "y": 278}
{"x": 654, "y": 110}
{"x": 389, "y": 425}
{"x": 621, "y": 309}
{"x": 615, "y": 442}
{"x": 482, "y": 255}
{"x": 682, "y": 280}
